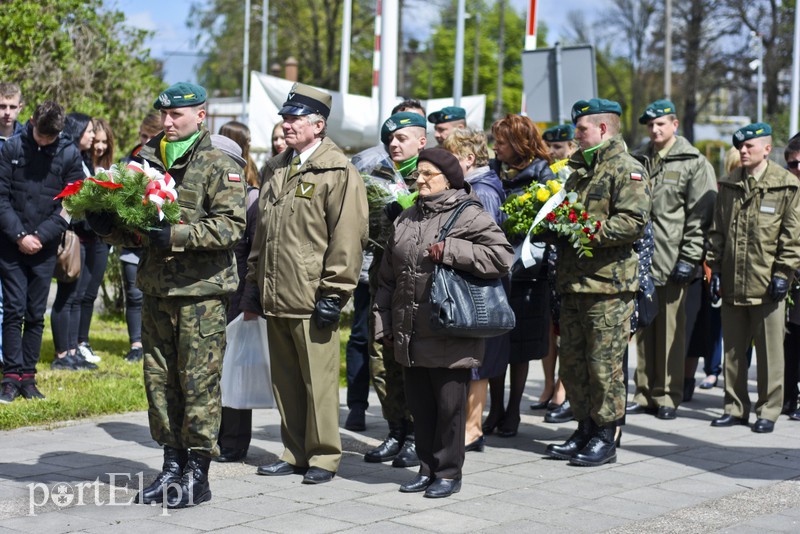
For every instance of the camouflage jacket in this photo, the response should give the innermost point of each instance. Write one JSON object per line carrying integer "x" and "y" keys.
{"x": 311, "y": 230}
{"x": 615, "y": 190}
{"x": 684, "y": 189}
{"x": 755, "y": 234}
{"x": 211, "y": 193}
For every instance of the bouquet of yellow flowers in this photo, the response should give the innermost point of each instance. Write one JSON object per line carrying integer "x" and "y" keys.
{"x": 139, "y": 197}
{"x": 522, "y": 209}
{"x": 547, "y": 207}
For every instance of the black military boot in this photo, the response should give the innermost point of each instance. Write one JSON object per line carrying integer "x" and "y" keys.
{"x": 174, "y": 462}
{"x": 407, "y": 457}
{"x": 600, "y": 450}
{"x": 390, "y": 447}
{"x": 193, "y": 488}
{"x": 575, "y": 443}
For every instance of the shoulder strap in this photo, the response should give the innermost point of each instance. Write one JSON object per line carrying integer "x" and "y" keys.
{"x": 452, "y": 220}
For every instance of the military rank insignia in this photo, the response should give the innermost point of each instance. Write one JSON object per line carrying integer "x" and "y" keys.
{"x": 305, "y": 190}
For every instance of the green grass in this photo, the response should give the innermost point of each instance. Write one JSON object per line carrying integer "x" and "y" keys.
{"x": 116, "y": 387}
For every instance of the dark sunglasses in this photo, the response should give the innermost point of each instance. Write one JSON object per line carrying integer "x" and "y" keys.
{"x": 793, "y": 164}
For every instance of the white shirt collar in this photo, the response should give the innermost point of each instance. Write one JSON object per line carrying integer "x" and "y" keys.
{"x": 307, "y": 153}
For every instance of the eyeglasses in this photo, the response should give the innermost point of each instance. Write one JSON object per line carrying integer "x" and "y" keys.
{"x": 793, "y": 164}
{"x": 428, "y": 175}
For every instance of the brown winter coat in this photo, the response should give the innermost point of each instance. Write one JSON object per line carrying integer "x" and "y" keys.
{"x": 402, "y": 307}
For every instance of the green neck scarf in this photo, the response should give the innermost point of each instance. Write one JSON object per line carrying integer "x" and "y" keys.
{"x": 172, "y": 150}
{"x": 407, "y": 167}
{"x": 588, "y": 154}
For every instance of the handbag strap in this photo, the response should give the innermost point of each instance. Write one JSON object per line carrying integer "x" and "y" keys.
{"x": 452, "y": 220}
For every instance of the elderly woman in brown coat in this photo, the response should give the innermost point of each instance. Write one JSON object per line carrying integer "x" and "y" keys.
{"x": 436, "y": 367}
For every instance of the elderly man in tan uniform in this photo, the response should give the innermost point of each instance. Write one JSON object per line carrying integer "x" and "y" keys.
{"x": 303, "y": 267}
{"x": 755, "y": 249}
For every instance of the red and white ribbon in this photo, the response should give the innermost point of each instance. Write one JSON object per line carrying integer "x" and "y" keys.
{"x": 159, "y": 191}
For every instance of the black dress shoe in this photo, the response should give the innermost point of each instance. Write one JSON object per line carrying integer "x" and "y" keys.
{"x": 541, "y": 405}
{"x": 729, "y": 420}
{"x": 795, "y": 416}
{"x": 562, "y": 414}
{"x": 666, "y": 412}
{"x": 508, "y": 429}
{"x": 279, "y": 468}
{"x": 634, "y": 408}
{"x": 420, "y": 483}
{"x": 492, "y": 421}
{"x": 318, "y": 475}
{"x": 788, "y": 407}
{"x": 231, "y": 454}
{"x": 476, "y": 445}
{"x": 763, "y": 426}
{"x": 443, "y": 487}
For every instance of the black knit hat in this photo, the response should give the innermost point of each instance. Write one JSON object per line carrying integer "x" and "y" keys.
{"x": 447, "y": 163}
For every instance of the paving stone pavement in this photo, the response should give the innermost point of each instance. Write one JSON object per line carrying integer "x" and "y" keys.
{"x": 671, "y": 476}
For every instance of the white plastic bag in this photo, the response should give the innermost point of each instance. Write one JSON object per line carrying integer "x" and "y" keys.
{"x": 246, "y": 381}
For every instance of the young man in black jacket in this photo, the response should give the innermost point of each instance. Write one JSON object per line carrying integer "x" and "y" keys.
{"x": 34, "y": 168}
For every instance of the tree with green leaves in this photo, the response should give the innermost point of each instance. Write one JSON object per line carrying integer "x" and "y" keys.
{"x": 431, "y": 71}
{"x": 308, "y": 30}
{"x": 81, "y": 55}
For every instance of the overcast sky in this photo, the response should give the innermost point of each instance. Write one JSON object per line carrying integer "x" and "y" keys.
{"x": 173, "y": 39}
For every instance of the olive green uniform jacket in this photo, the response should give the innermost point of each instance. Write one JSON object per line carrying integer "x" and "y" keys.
{"x": 312, "y": 228}
{"x": 615, "y": 190}
{"x": 211, "y": 193}
{"x": 684, "y": 189}
{"x": 755, "y": 234}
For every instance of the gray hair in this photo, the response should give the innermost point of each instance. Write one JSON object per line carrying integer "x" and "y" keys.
{"x": 315, "y": 118}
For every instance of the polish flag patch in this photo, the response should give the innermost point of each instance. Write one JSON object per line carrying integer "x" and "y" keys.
{"x": 636, "y": 176}
{"x": 237, "y": 178}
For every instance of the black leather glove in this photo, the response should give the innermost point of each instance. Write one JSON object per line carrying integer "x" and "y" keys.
{"x": 160, "y": 237}
{"x": 392, "y": 210}
{"x": 682, "y": 272}
{"x": 714, "y": 288}
{"x": 102, "y": 222}
{"x": 778, "y": 288}
{"x": 327, "y": 311}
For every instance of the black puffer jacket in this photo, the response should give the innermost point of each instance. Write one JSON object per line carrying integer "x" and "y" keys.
{"x": 30, "y": 177}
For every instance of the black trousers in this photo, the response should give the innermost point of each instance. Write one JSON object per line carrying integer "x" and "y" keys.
{"x": 26, "y": 285}
{"x": 791, "y": 358}
{"x": 236, "y": 428}
{"x": 437, "y": 399}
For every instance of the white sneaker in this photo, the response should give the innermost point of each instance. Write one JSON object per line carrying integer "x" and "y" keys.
{"x": 86, "y": 351}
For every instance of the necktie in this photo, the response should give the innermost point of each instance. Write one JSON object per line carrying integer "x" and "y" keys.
{"x": 751, "y": 183}
{"x": 295, "y": 165}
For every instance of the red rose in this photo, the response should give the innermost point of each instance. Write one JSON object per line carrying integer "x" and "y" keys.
{"x": 585, "y": 215}
{"x": 573, "y": 217}
{"x": 591, "y": 237}
{"x": 597, "y": 225}
{"x": 551, "y": 217}
{"x": 586, "y": 230}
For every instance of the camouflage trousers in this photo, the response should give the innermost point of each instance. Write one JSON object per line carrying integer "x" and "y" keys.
{"x": 184, "y": 342}
{"x": 384, "y": 371}
{"x": 594, "y": 335}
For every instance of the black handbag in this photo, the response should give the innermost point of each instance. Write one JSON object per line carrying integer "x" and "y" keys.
{"x": 464, "y": 305}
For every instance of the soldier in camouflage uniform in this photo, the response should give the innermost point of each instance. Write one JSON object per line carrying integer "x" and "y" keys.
{"x": 597, "y": 293}
{"x": 755, "y": 250}
{"x": 684, "y": 189}
{"x": 186, "y": 273}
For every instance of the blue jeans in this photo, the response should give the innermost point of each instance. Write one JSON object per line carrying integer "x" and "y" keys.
{"x": 356, "y": 354}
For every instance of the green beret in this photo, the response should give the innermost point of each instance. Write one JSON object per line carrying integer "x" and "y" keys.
{"x": 595, "y": 106}
{"x": 305, "y": 100}
{"x": 448, "y": 114}
{"x": 180, "y": 95}
{"x": 751, "y": 131}
{"x": 562, "y": 132}
{"x": 400, "y": 120}
{"x": 657, "y": 109}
